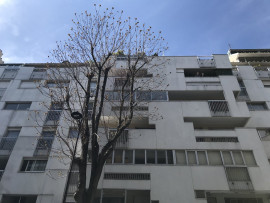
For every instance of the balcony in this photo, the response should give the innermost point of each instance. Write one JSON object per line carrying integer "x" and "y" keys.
{"x": 206, "y": 61}
{"x": 243, "y": 95}
{"x": 218, "y": 108}
{"x": 7, "y": 144}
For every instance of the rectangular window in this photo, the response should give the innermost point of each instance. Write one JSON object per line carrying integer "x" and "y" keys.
{"x": 257, "y": 106}
{"x": 17, "y": 106}
{"x": 109, "y": 159}
{"x": 264, "y": 134}
{"x": 161, "y": 157}
{"x": 3, "y": 163}
{"x": 151, "y": 156}
{"x": 57, "y": 83}
{"x": 2, "y": 91}
{"x": 202, "y": 157}
{"x": 238, "y": 159}
{"x": 128, "y": 156}
{"x": 170, "y": 157}
{"x": 191, "y": 158}
{"x": 73, "y": 133}
{"x": 139, "y": 156}
{"x": 10, "y": 138}
{"x": 227, "y": 158}
{"x": 54, "y": 113}
{"x": 9, "y": 73}
{"x": 249, "y": 158}
{"x": 118, "y": 156}
{"x": 45, "y": 142}
{"x": 33, "y": 165}
{"x": 19, "y": 198}
{"x": 181, "y": 157}
{"x": 214, "y": 158}
{"x": 38, "y": 74}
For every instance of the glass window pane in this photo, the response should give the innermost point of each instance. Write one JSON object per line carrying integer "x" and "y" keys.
{"x": 118, "y": 156}
{"x": 138, "y": 196}
{"x": 143, "y": 96}
{"x": 139, "y": 156}
{"x": 128, "y": 156}
{"x": 202, "y": 158}
{"x": 161, "y": 157}
{"x": 11, "y": 106}
{"x": 159, "y": 95}
{"x": 24, "y": 106}
{"x": 13, "y": 133}
{"x": 191, "y": 158}
{"x": 238, "y": 160}
{"x": 249, "y": 158}
{"x": 150, "y": 154}
{"x": 227, "y": 158}
{"x": 214, "y": 158}
{"x": 109, "y": 159}
{"x": 180, "y": 157}
{"x": 170, "y": 156}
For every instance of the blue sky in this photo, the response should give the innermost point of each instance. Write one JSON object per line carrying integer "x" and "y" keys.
{"x": 30, "y": 28}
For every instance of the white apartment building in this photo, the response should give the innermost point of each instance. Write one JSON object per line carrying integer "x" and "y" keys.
{"x": 212, "y": 144}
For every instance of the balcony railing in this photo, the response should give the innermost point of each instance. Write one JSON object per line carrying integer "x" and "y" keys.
{"x": 7, "y": 144}
{"x": 218, "y": 108}
{"x": 44, "y": 146}
{"x": 206, "y": 61}
{"x": 53, "y": 117}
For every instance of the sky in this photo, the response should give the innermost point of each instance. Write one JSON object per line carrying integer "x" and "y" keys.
{"x": 29, "y": 29}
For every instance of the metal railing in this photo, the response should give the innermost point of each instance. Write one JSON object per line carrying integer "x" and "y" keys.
{"x": 7, "y": 144}
{"x": 127, "y": 176}
{"x": 44, "y": 146}
{"x": 53, "y": 117}
{"x": 219, "y": 108}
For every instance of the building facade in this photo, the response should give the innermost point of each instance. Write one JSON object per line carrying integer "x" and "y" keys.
{"x": 211, "y": 145}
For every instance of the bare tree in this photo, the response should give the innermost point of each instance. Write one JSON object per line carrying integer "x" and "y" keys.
{"x": 105, "y": 70}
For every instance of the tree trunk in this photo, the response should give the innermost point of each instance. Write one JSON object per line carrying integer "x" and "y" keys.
{"x": 94, "y": 179}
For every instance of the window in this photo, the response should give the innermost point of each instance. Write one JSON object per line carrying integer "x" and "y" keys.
{"x": 57, "y": 84}
{"x": 202, "y": 157}
{"x": 2, "y": 91}
{"x": 249, "y": 158}
{"x": 200, "y": 194}
{"x": 191, "y": 158}
{"x": 122, "y": 140}
{"x": 45, "y": 142}
{"x": 38, "y": 74}
{"x": 9, "y": 73}
{"x": 17, "y": 106}
{"x": 73, "y": 133}
{"x": 3, "y": 163}
{"x": 181, "y": 157}
{"x": 9, "y": 140}
{"x": 33, "y": 165}
{"x": 54, "y": 113}
{"x": 128, "y": 156}
{"x": 227, "y": 158}
{"x": 139, "y": 156}
{"x": 214, "y": 158}
{"x": 238, "y": 159}
{"x": 161, "y": 157}
{"x": 257, "y": 106}
{"x": 151, "y": 156}
{"x": 264, "y": 134}
{"x": 19, "y": 199}
{"x": 118, "y": 156}
{"x": 170, "y": 157}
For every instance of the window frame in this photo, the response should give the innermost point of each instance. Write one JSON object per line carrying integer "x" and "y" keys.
{"x": 33, "y": 165}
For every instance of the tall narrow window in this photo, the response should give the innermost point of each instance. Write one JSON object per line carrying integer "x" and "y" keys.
{"x": 227, "y": 158}
{"x": 249, "y": 158}
{"x": 139, "y": 156}
{"x": 2, "y": 91}
{"x": 151, "y": 156}
{"x": 128, "y": 156}
{"x": 161, "y": 157}
{"x": 191, "y": 158}
{"x": 118, "y": 156}
{"x": 238, "y": 159}
{"x": 181, "y": 157}
{"x": 170, "y": 157}
{"x": 202, "y": 158}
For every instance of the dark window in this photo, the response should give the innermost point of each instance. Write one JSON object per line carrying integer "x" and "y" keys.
{"x": 9, "y": 73}
{"x": 73, "y": 133}
{"x": 139, "y": 156}
{"x": 128, "y": 156}
{"x": 151, "y": 156}
{"x": 34, "y": 165}
{"x": 161, "y": 157}
{"x": 19, "y": 199}
{"x": 170, "y": 156}
{"x": 257, "y": 106}
{"x": 18, "y": 106}
{"x": 118, "y": 156}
